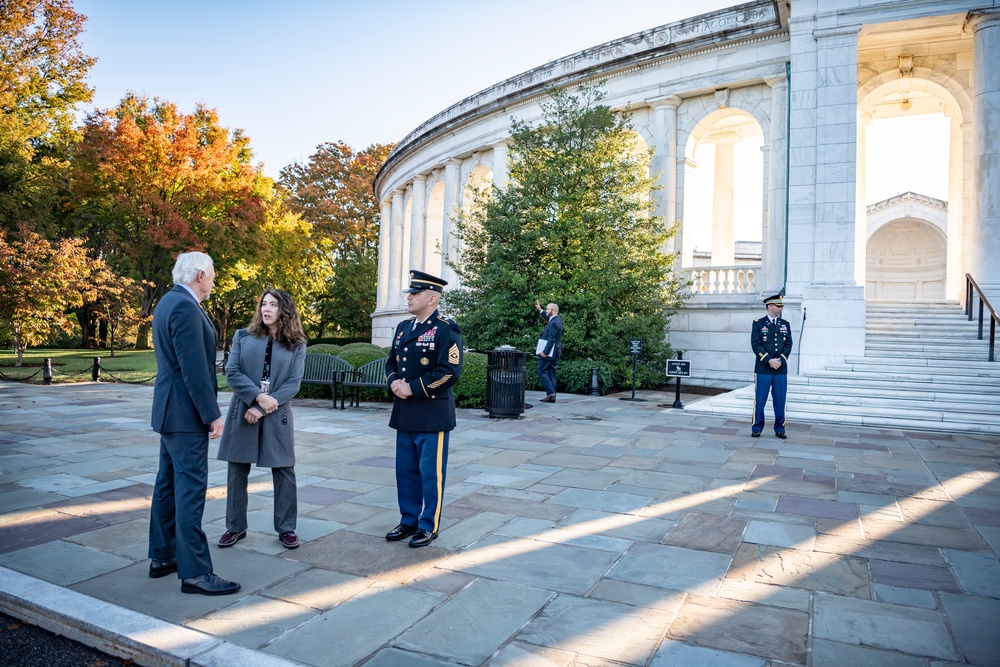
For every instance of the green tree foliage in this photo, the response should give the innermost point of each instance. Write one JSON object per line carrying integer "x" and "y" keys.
{"x": 575, "y": 226}
{"x": 287, "y": 258}
{"x": 333, "y": 192}
{"x": 42, "y": 79}
{"x": 150, "y": 181}
{"x": 39, "y": 281}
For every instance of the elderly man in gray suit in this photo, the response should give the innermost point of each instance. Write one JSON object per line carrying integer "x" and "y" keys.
{"x": 186, "y": 415}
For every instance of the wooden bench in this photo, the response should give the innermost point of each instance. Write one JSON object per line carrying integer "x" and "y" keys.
{"x": 329, "y": 370}
{"x": 371, "y": 374}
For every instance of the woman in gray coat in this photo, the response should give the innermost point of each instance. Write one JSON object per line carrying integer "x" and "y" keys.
{"x": 264, "y": 372}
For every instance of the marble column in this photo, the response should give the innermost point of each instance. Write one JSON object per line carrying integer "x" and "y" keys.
{"x": 500, "y": 170}
{"x": 384, "y": 251}
{"x": 860, "y": 209}
{"x": 723, "y": 248}
{"x": 822, "y": 196}
{"x": 773, "y": 260}
{"x": 394, "y": 288}
{"x": 449, "y": 238}
{"x": 664, "y": 165}
{"x": 417, "y": 225}
{"x": 985, "y": 259}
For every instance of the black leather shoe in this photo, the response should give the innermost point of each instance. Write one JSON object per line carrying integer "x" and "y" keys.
{"x": 422, "y": 538}
{"x": 161, "y": 568}
{"x": 754, "y": 434}
{"x": 780, "y": 435}
{"x": 209, "y": 584}
{"x": 400, "y": 532}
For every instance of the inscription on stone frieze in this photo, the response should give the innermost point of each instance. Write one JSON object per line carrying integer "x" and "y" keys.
{"x": 722, "y": 21}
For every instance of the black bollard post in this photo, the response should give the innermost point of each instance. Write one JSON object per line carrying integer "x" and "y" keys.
{"x": 595, "y": 383}
{"x": 47, "y": 371}
{"x": 95, "y": 373}
{"x": 677, "y": 395}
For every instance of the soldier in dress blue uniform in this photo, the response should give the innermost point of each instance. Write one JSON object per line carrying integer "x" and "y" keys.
{"x": 771, "y": 340}
{"x": 424, "y": 364}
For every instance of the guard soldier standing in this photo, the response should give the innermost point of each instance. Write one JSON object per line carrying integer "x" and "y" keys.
{"x": 771, "y": 340}
{"x": 424, "y": 364}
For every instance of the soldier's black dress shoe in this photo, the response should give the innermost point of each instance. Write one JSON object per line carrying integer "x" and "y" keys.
{"x": 209, "y": 584}
{"x": 161, "y": 568}
{"x": 422, "y": 538}
{"x": 754, "y": 434}
{"x": 400, "y": 532}
{"x": 780, "y": 435}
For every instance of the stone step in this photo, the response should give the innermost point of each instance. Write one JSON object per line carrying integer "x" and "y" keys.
{"x": 739, "y": 404}
{"x": 971, "y": 352}
{"x": 919, "y": 365}
{"x": 964, "y": 398}
{"x": 911, "y": 380}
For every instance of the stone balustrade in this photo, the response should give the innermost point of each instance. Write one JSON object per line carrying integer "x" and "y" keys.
{"x": 723, "y": 279}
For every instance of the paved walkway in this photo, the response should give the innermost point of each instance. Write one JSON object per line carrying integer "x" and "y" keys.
{"x": 591, "y": 532}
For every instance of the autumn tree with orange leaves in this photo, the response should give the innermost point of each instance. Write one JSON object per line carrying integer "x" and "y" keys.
{"x": 150, "y": 182}
{"x": 39, "y": 281}
{"x": 333, "y": 191}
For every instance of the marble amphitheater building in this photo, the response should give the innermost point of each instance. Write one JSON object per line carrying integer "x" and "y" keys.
{"x": 788, "y": 88}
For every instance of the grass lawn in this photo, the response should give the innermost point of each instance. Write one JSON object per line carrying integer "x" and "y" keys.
{"x": 76, "y": 365}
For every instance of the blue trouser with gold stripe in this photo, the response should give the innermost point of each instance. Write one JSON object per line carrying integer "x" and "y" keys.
{"x": 777, "y": 386}
{"x": 421, "y": 461}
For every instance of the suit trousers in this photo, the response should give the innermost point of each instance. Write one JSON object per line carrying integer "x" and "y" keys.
{"x": 179, "y": 503}
{"x": 421, "y": 462}
{"x": 286, "y": 505}
{"x": 547, "y": 374}
{"x": 777, "y": 386}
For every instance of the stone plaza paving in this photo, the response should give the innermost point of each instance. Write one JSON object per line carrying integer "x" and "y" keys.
{"x": 591, "y": 532}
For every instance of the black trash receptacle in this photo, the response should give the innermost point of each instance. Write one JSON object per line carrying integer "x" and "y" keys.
{"x": 505, "y": 377}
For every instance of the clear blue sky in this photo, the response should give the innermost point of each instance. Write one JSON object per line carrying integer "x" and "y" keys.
{"x": 296, "y": 74}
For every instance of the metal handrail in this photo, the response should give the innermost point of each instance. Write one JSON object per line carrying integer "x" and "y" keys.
{"x": 970, "y": 283}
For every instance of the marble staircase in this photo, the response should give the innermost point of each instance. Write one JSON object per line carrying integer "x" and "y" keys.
{"x": 923, "y": 369}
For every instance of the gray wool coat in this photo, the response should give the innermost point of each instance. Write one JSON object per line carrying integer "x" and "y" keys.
{"x": 270, "y": 443}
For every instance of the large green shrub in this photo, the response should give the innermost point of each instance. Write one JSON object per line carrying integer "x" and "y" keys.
{"x": 358, "y": 354}
{"x": 323, "y": 348}
{"x": 470, "y": 391}
{"x": 575, "y": 375}
{"x": 361, "y": 351}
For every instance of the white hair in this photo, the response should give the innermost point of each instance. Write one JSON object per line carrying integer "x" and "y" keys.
{"x": 188, "y": 265}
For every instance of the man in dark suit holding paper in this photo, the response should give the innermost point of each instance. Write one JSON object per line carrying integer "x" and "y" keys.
{"x": 186, "y": 415}
{"x": 550, "y": 350}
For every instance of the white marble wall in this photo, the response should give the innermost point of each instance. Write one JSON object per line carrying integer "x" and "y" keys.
{"x": 843, "y": 61}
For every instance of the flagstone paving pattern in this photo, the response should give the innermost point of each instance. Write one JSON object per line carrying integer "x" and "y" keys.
{"x": 589, "y": 532}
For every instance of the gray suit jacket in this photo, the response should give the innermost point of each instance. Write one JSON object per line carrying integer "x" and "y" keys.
{"x": 270, "y": 442}
{"x": 185, "y": 395}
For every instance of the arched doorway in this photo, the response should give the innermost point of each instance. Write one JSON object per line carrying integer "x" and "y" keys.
{"x": 906, "y": 260}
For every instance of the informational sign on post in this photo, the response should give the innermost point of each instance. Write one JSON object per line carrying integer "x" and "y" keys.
{"x": 635, "y": 349}
{"x": 678, "y": 368}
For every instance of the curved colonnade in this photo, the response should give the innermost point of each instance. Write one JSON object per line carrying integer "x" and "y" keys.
{"x": 801, "y": 81}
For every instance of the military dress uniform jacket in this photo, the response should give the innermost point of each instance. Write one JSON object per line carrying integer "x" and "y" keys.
{"x": 771, "y": 341}
{"x": 429, "y": 358}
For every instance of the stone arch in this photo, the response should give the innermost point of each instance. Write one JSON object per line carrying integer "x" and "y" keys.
{"x": 707, "y": 200}
{"x": 906, "y": 259}
{"x": 926, "y": 91}
{"x": 434, "y": 227}
{"x": 480, "y": 177}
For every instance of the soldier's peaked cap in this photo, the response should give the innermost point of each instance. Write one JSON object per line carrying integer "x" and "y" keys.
{"x": 776, "y": 300}
{"x": 420, "y": 281}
